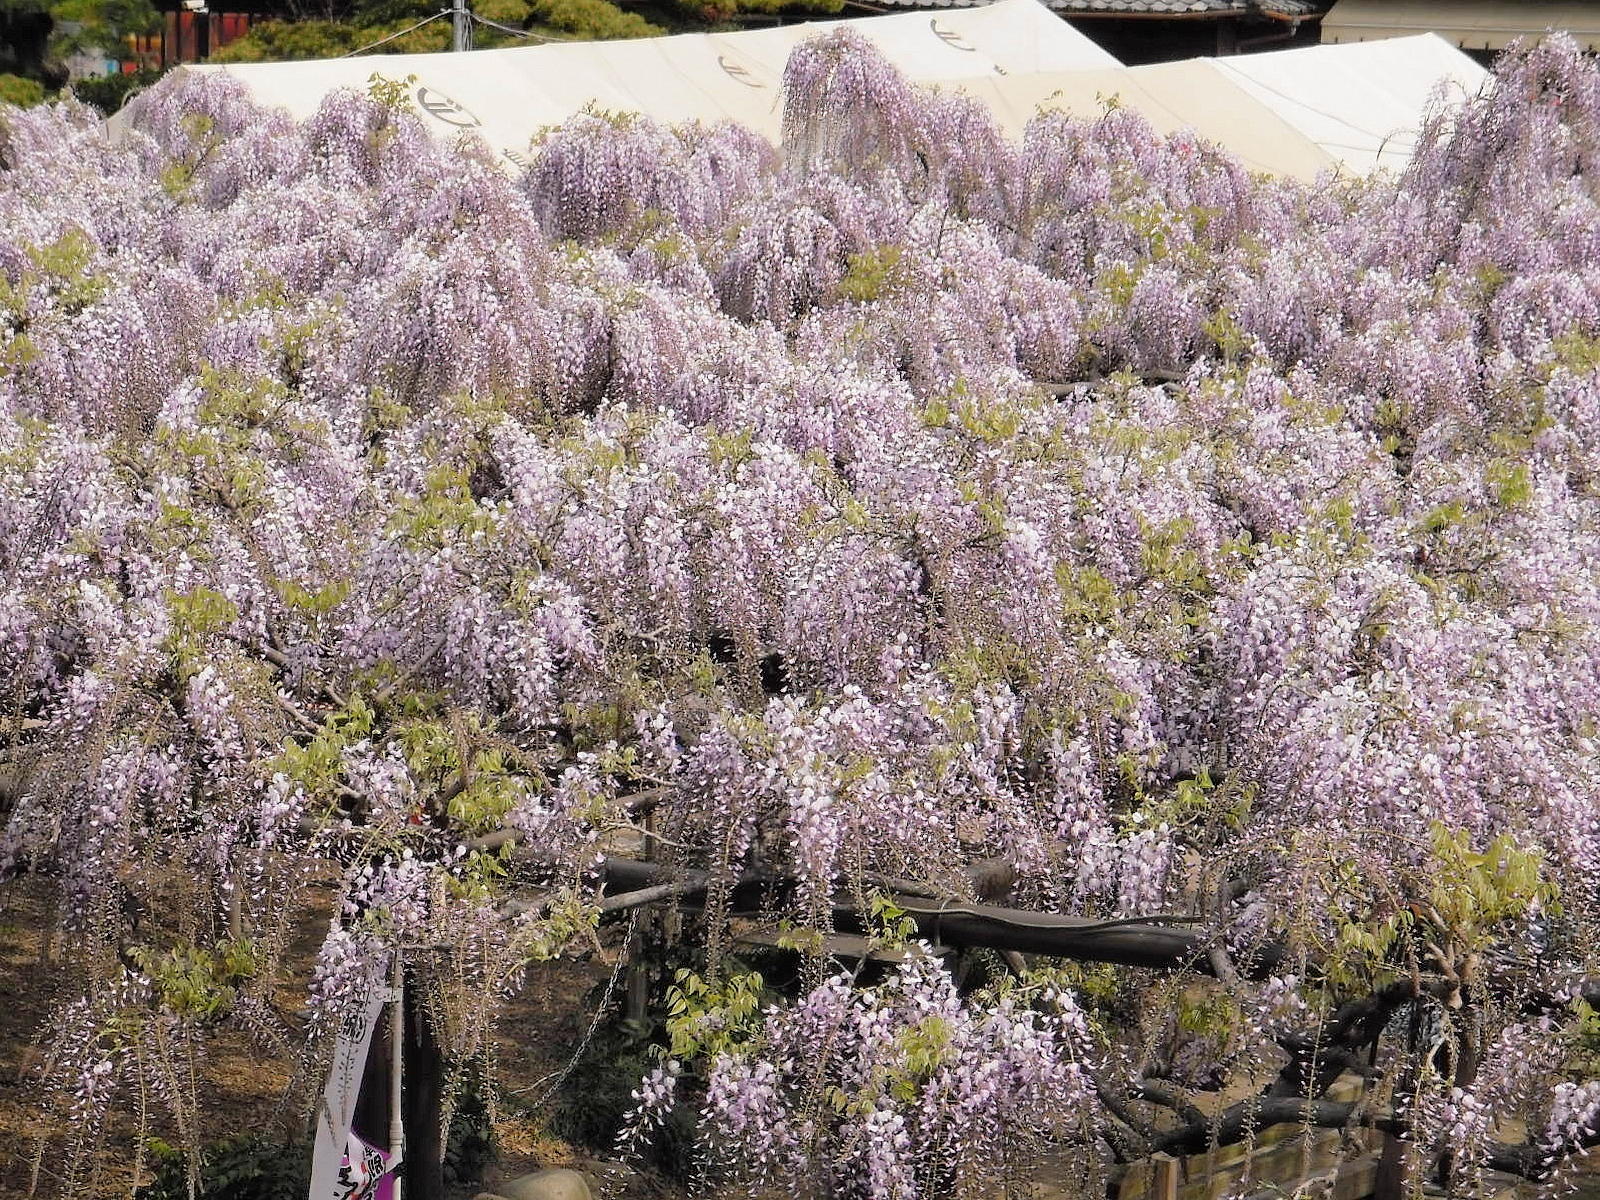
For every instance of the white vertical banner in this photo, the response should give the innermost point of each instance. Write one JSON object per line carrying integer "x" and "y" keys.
{"x": 343, "y": 1166}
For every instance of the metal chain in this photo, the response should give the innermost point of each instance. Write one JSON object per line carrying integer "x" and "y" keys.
{"x": 557, "y": 1078}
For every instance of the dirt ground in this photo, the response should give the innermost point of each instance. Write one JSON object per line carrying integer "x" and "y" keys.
{"x": 247, "y": 1089}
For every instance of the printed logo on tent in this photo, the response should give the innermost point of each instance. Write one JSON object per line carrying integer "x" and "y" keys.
{"x": 439, "y": 106}
{"x": 950, "y": 37}
{"x": 739, "y": 73}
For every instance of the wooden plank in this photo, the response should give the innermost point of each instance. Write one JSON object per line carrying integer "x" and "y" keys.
{"x": 1164, "y": 1184}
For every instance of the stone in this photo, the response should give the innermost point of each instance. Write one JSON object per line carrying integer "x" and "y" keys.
{"x": 608, "y": 1178}
{"x": 556, "y": 1183}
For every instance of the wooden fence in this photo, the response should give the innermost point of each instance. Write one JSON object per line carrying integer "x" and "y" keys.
{"x": 1280, "y": 1161}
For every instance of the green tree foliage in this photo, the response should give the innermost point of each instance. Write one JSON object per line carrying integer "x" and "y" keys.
{"x": 36, "y": 36}
{"x": 100, "y": 24}
{"x": 24, "y": 39}
{"x": 24, "y": 93}
{"x": 592, "y": 19}
{"x": 585, "y": 20}
{"x": 579, "y": 20}
{"x": 109, "y": 92}
{"x": 728, "y": 11}
{"x": 284, "y": 41}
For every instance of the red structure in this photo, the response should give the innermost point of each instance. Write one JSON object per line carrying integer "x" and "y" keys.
{"x": 187, "y": 36}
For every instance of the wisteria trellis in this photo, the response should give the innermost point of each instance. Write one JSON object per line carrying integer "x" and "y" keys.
{"x": 1203, "y": 544}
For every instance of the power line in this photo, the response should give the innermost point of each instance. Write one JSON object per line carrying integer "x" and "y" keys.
{"x": 460, "y": 10}
{"x": 398, "y": 33}
{"x": 521, "y": 33}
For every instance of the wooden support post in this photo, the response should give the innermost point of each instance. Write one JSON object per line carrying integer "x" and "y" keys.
{"x": 422, "y": 1100}
{"x": 1227, "y": 36}
{"x": 1164, "y": 1181}
{"x": 637, "y": 1003}
{"x": 397, "y": 1072}
{"x": 1396, "y": 1158}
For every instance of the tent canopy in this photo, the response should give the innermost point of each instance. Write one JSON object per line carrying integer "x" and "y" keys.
{"x": 1293, "y": 113}
{"x": 1363, "y": 104}
{"x": 1471, "y": 24}
{"x": 1172, "y": 97}
{"x": 506, "y": 96}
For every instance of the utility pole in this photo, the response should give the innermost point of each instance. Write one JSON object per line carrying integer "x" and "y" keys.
{"x": 461, "y": 26}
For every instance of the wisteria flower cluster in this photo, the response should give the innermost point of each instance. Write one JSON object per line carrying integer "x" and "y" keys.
{"x": 895, "y": 1091}
{"x": 1211, "y": 551}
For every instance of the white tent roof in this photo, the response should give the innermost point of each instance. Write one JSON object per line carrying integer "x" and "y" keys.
{"x": 1172, "y": 97}
{"x": 1362, "y": 103}
{"x": 1294, "y": 112}
{"x": 506, "y": 96}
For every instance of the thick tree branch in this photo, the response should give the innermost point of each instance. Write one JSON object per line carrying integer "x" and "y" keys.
{"x": 1154, "y": 1091}
{"x": 1135, "y": 1134}
{"x": 687, "y": 886}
